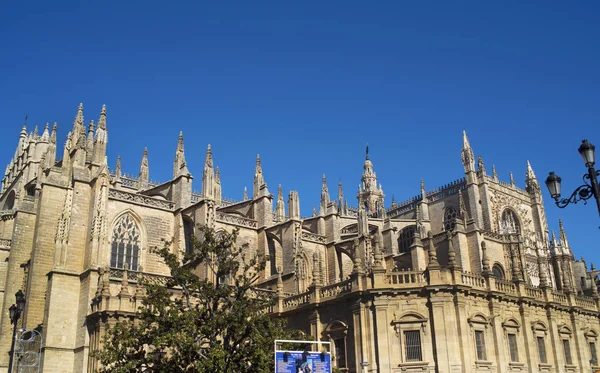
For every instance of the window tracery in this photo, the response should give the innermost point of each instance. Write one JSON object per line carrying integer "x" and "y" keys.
{"x": 450, "y": 218}
{"x": 498, "y": 272}
{"x": 509, "y": 223}
{"x": 405, "y": 239}
{"x": 125, "y": 246}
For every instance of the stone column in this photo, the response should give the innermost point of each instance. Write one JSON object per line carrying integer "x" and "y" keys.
{"x": 382, "y": 334}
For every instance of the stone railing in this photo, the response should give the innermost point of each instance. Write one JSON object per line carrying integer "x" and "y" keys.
{"x": 474, "y": 280}
{"x": 559, "y": 297}
{"x": 140, "y": 199}
{"x": 196, "y": 197}
{"x": 336, "y": 289}
{"x": 405, "y": 278}
{"x": 585, "y": 302}
{"x": 5, "y": 242}
{"x": 236, "y": 220}
{"x": 447, "y": 190}
{"x": 296, "y": 300}
{"x": 535, "y": 293}
{"x": 134, "y": 276}
{"x": 313, "y": 237}
{"x": 505, "y": 286}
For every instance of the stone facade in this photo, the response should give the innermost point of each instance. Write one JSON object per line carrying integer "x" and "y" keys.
{"x": 462, "y": 278}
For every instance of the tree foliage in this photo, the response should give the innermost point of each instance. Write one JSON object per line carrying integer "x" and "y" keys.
{"x": 193, "y": 324}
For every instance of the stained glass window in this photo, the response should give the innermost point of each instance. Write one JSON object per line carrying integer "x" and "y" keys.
{"x": 125, "y": 246}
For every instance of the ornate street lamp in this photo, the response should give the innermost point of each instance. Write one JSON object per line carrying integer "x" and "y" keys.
{"x": 584, "y": 192}
{"x": 15, "y": 313}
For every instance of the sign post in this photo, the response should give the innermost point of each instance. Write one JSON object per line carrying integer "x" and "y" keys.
{"x": 306, "y": 361}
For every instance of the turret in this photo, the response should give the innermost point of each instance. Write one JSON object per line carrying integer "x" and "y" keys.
{"x": 78, "y": 139}
{"x": 101, "y": 139}
{"x": 179, "y": 164}
{"x": 564, "y": 243}
{"x": 324, "y": 197}
{"x": 259, "y": 179}
{"x": 144, "y": 171}
{"x": 279, "y": 207}
{"x": 208, "y": 176}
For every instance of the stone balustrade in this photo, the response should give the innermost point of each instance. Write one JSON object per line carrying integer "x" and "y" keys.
{"x": 236, "y": 220}
{"x": 296, "y": 300}
{"x": 474, "y": 280}
{"x": 4, "y": 242}
{"x": 405, "y": 278}
{"x": 336, "y": 289}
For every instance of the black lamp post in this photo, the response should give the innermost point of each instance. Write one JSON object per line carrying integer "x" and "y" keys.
{"x": 15, "y": 313}
{"x": 590, "y": 187}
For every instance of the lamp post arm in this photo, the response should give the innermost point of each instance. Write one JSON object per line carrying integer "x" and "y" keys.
{"x": 593, "y": 176}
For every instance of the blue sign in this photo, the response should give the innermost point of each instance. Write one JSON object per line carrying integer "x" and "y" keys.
{"x": 302, "y": 362}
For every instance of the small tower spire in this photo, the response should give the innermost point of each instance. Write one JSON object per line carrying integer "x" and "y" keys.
{"x": 512, "y": 179}
{"x": 423, "y": 190}
{"x": 279, "y": 207}
{"x": 89, "y": 146}
{"x": 324, "y": 197}
{"x": 78, "y": 125}
{"x": 46, "y": 133}
{"x": 218, "y": 190}
{"x": 494, "y": 173}
{"x": 179, "y": 164}
{"x": 259, "y": 179}
{"x": 144, "y": 171}
{"x": 118, "y": 168}
{"x": 370, "y": 194}
{"x": 564, "y": 243}
{"x": 531, "y": 183}
{"x": 208, "y": 177}
{"x": 341, "y": 200}
{"x": 468, "y": 159}
{"x": 245, "y": 194}
{"x": 101, "y": 139}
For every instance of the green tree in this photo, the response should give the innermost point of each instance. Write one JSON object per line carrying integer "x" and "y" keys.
{"x": 196, "y": 325}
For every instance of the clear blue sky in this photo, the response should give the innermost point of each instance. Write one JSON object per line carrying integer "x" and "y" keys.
{"x": 307, "y": 85}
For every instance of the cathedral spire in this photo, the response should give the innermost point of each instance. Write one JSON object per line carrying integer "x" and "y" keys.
{"x": 341, "y": 200}
{"x": 245, "y": 194}
{"x": 512, "y": 179}
{"x": 102, "y": 120}
{"x": 279, "y": 207}
{"x": 101, "y": 138}
{"x": 423, "y": 191}
{"x": 144, "y": 171}
{"x": 218, "y": 190}
{"x": 494, "y": 173}
{"x": 324, "y": 197}
{"x": 531, "y": 182}
{"x": 468, "y": 159}
{"x": 46, "y": 133}
{"x": 179, "y": 164}
{"x": 78, "y": 125}
{"x": 259, "y": 179}
{"x": 208, "y": 177}
{"x": 564, "y": 243}
{"x": 89, "y": 146}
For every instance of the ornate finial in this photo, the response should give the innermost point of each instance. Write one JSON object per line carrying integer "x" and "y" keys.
{"x": 485, "y": 262}
{"x": 46, "y": 133}
{"x": 245, "y": 194}
{"x": 468, "y": 158}
{"x": 314, "y": 211}
{"x": 258, "y": 169}
{"x": 512, "y": 179}
{"x": 79, "y": 116}
{"x": 91, "y": 127}
{"x": 466, "y": 144}
{"x": 451, "y": 252}
{"x": 217, "y": 175}
{"x": 432, "y": 252}
{"x": 102, "y": 119}
{"x": 393, "y": 201}
{"x": 279, "y": 192}
{"x": 423, "y": 190}
{"x": 35, "y": 131}
{"x": 494, "y": 173}
{"x": 209, "y": 160}
{"x": 530, "y": 173}
{"x": 118, "y": 168}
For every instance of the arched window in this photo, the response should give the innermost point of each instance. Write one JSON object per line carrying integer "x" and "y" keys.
{"x": 406, "y": 238}
{"x": 450, "y": 218}
{"x": 498, "y": 272}
{"x": 188, "y": 233}
{"x": 509, "y": 223}
{"x": 125, "y": 246}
